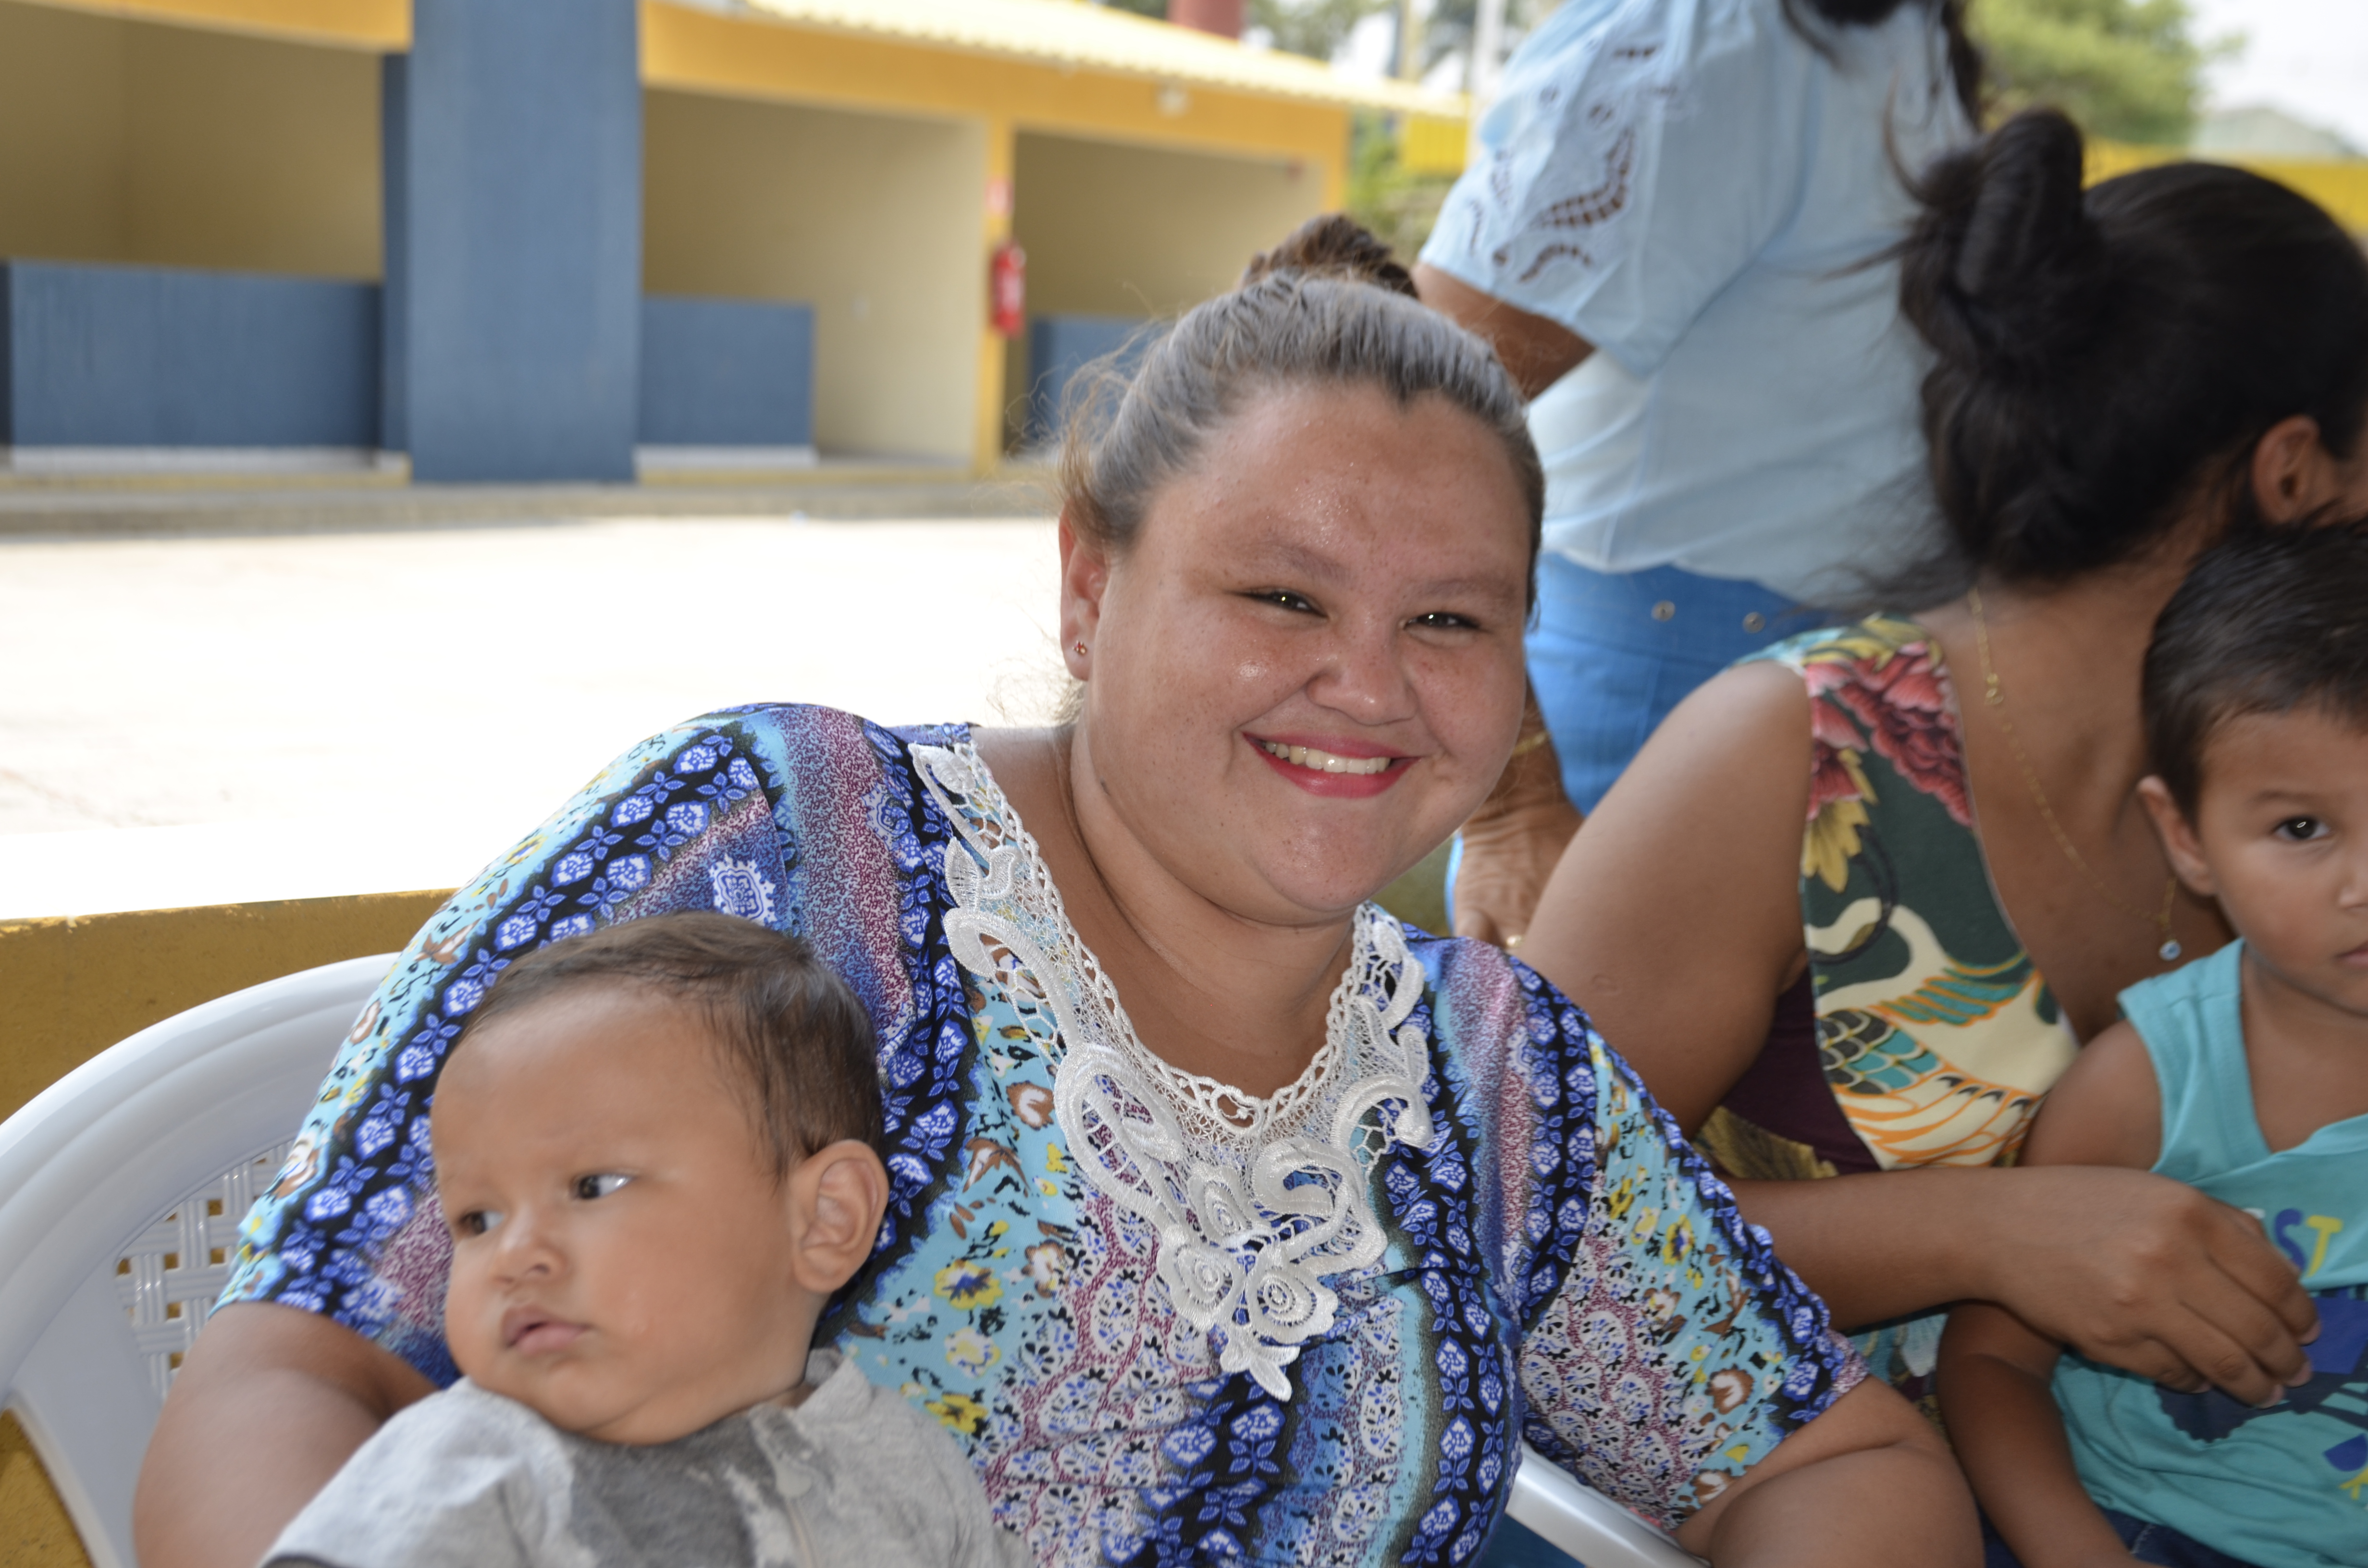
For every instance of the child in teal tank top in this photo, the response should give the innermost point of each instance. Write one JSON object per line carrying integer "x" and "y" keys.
{"x": 2244, "y": 1074}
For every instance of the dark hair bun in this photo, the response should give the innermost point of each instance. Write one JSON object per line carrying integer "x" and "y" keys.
{"x": 2004, "y": 268}
{"x": 1332, "y": 247}
{"x": 2104, "y": 361}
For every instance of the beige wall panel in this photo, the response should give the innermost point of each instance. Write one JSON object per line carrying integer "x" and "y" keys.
{"x": 874, "y": 220}
{"x": 130, "y": 142}
{"x": 61, "y": 135}
{"x": 252, "y": 155}
{"x": 1125, "y": 230}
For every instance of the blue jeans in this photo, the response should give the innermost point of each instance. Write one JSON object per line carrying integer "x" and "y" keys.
{"x": 2148, "y": 1543}
{"x": 1612, "y": 653}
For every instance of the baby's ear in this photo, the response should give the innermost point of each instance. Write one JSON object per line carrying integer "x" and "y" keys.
{"x": 836, "y": 1195}
{"x": 2179, "y": 844}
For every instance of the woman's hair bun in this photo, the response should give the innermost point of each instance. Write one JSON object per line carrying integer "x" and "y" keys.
{"x": 2105, "y": 362}
{"x": 1332, "y": 247}
{"x": 2004, "y": 268}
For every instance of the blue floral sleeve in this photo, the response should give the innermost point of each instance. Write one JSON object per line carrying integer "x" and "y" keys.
{"x": 1665, "y": 1349}
{"x": 782, "y": 815}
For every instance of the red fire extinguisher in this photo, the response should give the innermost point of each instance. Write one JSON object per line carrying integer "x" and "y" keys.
{"x": 1007, "y": 290}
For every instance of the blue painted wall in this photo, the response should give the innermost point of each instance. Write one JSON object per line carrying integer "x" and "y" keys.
{"x": 513, "y": 146}
{"x": 1058, "y": 348}
{"x": 155, "y": 356}
{"x": 726, "y": 373}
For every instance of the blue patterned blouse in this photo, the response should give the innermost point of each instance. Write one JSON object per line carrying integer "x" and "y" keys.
{"x": 1168, "y": 1324}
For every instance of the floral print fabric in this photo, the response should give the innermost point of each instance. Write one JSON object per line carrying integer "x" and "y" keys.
{"x": 1559, "y": 1267}
{"x": 1935, "y": 1038}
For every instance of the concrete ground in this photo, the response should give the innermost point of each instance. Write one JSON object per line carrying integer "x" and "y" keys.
{"x": 209, "y": 706}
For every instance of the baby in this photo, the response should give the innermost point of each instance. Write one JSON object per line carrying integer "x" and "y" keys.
{"x": 656, "y": 1148}
{"x": 2244, "y": 1074}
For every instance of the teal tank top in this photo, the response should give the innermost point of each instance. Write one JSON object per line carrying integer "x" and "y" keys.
{"x": 2285, "y": 1487}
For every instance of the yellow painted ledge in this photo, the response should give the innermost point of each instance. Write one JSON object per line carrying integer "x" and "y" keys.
{"x": 34, "y": 1529}
{"x": 75, "y": 987}
{"x": 380, "y": 26}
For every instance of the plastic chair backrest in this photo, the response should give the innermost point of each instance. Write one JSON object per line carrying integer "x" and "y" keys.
{"x": 122, "y": 1189}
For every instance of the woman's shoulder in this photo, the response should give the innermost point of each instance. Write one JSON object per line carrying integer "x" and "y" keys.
{"x": 805, "y": 736}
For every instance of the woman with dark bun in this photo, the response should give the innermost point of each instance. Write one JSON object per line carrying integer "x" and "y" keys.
{"x": 1230, "y": 1220}
{"x": 1858, "y": 1018}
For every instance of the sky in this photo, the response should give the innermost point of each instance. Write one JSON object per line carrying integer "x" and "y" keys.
{"x": 2306, "y": 57}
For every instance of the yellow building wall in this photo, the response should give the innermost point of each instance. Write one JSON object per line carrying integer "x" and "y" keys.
{"x": 689, "y": 50}
{"x": 131, "y": 141}
{"x": 1119, "y": 229}
{"x": 1112, "y": 229}
{"x": 686, "y": 47}
{"x": 871, "y": 219}
{"x": 63, "y": 134}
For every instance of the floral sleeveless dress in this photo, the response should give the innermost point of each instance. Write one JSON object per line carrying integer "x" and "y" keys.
{"x": 1921, "y": 1034}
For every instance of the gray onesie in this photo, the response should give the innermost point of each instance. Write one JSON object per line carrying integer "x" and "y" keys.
{"x": 854, "y": 1475}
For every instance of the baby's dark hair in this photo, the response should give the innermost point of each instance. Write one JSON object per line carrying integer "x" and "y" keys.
{"x": 2269, "y": 619}
{"x": 787, "y": 1032}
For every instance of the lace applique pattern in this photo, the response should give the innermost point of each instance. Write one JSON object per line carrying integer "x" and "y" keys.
{"x": 1571, "y": 188}
{"x": 1256, "y": 1202}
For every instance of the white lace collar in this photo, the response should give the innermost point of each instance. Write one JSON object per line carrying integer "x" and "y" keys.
{"x": 1257, "y": 1202}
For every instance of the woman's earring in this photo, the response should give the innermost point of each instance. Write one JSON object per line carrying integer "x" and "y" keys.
{"x": 1081, "y": 649}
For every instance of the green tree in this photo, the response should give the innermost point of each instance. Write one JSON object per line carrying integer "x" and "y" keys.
{"x": 1397, "y": 204}
{"x": 2130, "y": 69}
{"x": 1315, "y": 28}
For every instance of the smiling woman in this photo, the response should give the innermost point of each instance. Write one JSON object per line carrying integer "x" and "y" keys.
{"x": 1228, "y": 1218}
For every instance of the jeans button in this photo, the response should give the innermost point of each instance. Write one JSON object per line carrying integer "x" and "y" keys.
{"x": 1755, "y": 621}
{"x": 1664, "y": 610}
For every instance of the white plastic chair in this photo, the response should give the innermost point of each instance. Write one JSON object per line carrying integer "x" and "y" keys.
{"x": 1585, "y": 1523}
{"x": 121, "y": 1188}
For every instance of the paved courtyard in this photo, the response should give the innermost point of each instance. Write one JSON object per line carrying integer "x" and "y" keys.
{"x": 209, "y": 719}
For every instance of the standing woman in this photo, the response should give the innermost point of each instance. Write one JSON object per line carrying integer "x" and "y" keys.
{"x": 1676, "y": 233}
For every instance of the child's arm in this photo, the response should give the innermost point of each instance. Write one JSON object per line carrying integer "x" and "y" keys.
{"x": 2107, "y": 1111}
{"x": 2009, "y": 1436}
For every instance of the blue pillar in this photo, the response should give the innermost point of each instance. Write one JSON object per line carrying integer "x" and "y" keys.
{"x": 513, "y": 145}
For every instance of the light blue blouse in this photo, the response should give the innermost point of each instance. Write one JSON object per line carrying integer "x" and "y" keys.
{"x": 1702, "y": 195}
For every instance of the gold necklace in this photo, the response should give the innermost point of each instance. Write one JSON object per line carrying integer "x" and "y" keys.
{"x": 1991, "y": 693}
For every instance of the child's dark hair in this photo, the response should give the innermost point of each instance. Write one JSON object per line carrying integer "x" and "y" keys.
{"x": 2107, "y": 357}
{"x": 2270, "y": 619}
{"x": 787, "y": 1029}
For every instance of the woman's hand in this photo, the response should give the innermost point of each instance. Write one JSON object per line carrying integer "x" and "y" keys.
{"x": 270, "y": 1402}
{"x": 2128, "y": 1268}
{"x": 1513, "y": 842}
{"x": 2145, "y": 1273}
{"x": 1507, "y": 856}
